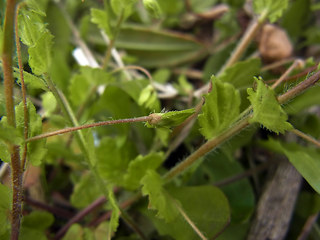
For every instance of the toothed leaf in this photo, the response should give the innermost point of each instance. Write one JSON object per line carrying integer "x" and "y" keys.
{"x": 274, "y": 8}
{"x": 158, "y": 197}
{"x": 266, "y": 109}
{"x": 222, "y": 106}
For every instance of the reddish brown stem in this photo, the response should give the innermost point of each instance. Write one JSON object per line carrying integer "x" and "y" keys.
{"x": 96, "y": 204}
{"x": 124, "y": 205}
{"x": 54, "y": 210}
{"x": 91, "y": 125}
{"x": 14, "y": 149}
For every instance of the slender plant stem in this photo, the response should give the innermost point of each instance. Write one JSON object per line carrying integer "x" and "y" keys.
{"x": 112, "y": 40}
{"x": 296, "y": 63}
{"x": 245, "y": 41}
{"x": 7, "y": 60}
{"x": 90, "y": 125}
{"x": 123, "y": 205}
{"x": 240, "y": 49}
{"x": 23, "y": 90}
{"x": 300, "y": 88}
{"x": 236, "y": 128}
{"x": 80, "y": 138}
{"x": 308, "y": 226}
{"x": 277, "y": 64}
{"x": 245, "y": 174}
{"x": 145, "y": 71}
{"x": 188, "y": 220}
{"x": 132, "y": 224}
{"x": 60, "y": 212}
{"x": 306, "y": 137}
{"x": 14, "y": 149}
{"x": 80, "y": 215}
{"x": 205, "y": 148}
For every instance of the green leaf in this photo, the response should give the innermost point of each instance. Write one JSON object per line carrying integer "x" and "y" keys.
{"x": 206, "y": 206}
{"x": 305, "y": 100}
{"x": 266, "y": 109}
{"x": 101, "y": 18}
{"x": 49, "y": 103}
{"x": 158, "y": 197}
{"x": 139, "y": 166}
{"x": 273, "y": 8}
{"x": 307, "y": 204}
{"x": 82, "y": 83}
{"x": 40, "y": 54}
{"x": 1, "y": 40}
{"x": 221, "y": 165}
{"x": 75, "y": 232}
{"x": 297, "y": 18}
{"x": 38, "y": 7}
{"x": 169, "y": 119}
{"x": 102, "y": 231}
{"x": 4, "y": 151}
{"x": 114, "y": 219}
{"x": 240, "y": 74}
{"x": 200, "y": 6}
{"x": 149, "y": 98}
{"x": 35, "y": 224}
{"x": 222, "y": 106}
{"x": 5, "y": 209}
{"x": 114, "y": 155}
{"x": 31, "y": 27}
{"x": 10, "y": 134}
{"x": 305, "y": 160}
{"x": 32, "y": 81}
{"x": 123, "y": 7}
{"x": 152, "y": 7}
{"x": 39, "y": 220}
{"x": 85, "y": 191}
{"x": 184, "y": 87}
{"x": 36, "y": 149}
{"x": 158, "y": 48}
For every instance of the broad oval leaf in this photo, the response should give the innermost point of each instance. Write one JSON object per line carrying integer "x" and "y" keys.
{"x": 221, "y": 107}
{"x": 305, "y": 160}
{"x": 207, "y": 208}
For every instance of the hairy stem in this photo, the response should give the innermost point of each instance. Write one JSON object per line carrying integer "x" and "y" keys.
{"x": 90, "y": 125}
{"x": 245, "y": 41}
{"x": 300, "y": 88}
{"x": 306, "y": 137}
{"x": 236, "y": 128}
{"x": 295, "y": 64}
{"x": 16, "y": 172}
{"x": 66, "y": 108}
{"x": 23, "y": 90}
{"x": 7, "y": 61}
{"x": 205, "y": 148}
